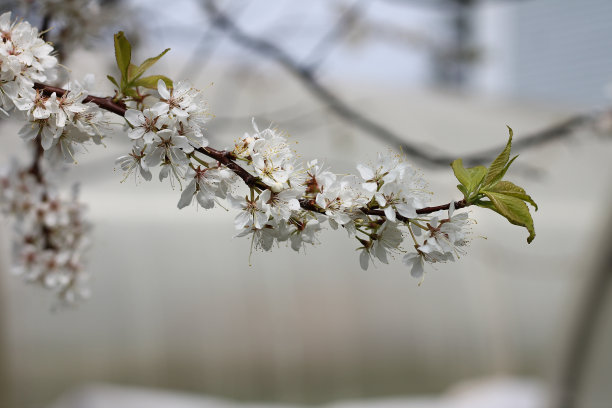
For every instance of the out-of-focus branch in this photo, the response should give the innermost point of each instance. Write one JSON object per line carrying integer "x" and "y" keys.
{"x": 204, "y": 49}
{"x": 326, "y": 44}
{"x": 553, "y": 133}
{"x": 306, "y": 76}
{"x": 442, "y": 3}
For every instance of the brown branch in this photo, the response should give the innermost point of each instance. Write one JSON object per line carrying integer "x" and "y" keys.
{"x": 310, "y": 205}
{"x": 35, "y": 169}
{"x": 227, "y": 158}
{"x": 107, "y": 103}
{"x": 424, "y": 210}
{"x": 350, "y": 16}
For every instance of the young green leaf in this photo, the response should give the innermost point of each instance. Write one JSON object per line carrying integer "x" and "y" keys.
{"x": 114, "y": 81}
{"x": 470, "y": 178}
{"x": 498, "y": 166}
{"x": 123, "y": 54}
{"x": 510, "y": 189}
{"x": 514, "y": 209}
{"x": 148, "y": 63}
{"x": 476, "y": 175}
{"x": 460, "y": 172}
{"x": 463, "y": 190}
{"x": 151, "y": 81}
{"x": 130, "y": 74}
{"x": 501, "y": 174}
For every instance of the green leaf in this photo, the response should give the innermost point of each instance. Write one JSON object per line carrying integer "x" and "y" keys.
{"x": 123, "y": 54}
{"x": 114, "y": 81}
{"x": 501, "y": 174}
{"x": 476, "y": 174}
{"x": 130, "y": 74}
{"x": 514, "y": 209}
{"x": 469, "y": 178}
{"x": 151, "y": 81}
{"x": 462, "y": 188}
{"x": 510, "y": 189}
{"x": 461, "y": 173}
{"x": 504, "y": 170}
{"x": 498, "y": 167}
{"x": 148, "y": 63}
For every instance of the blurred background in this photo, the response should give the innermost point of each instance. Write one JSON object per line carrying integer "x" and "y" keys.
{"x": 180, "y": 317}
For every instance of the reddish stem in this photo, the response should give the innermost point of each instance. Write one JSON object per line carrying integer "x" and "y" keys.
{"x": 105, "y": 103}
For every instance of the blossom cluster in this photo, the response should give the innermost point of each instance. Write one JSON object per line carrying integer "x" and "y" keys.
{"x": 288, "y": 201}
{"x": 61, "y": 124}
{"x": 50, "y": 232}
{"x": 378, "y": 207}
{"x": 166, "y": 133}
{"x": 278, "y": 199}
{"x": 24, "y": 57}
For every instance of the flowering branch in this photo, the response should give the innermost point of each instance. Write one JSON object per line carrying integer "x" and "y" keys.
{"x": 226, "y": 158}
{"x": 284, "y": 200}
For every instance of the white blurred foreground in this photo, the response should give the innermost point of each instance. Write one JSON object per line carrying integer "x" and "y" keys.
{"x": 503, "y": 392}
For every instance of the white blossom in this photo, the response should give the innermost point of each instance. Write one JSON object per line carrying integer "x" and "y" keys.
{"x": 387, "y": 239}
{"x": 24, "y": 57}
{"x": 252, "y": 211}
{"x": 205, "y": 186}
{"x": 145, "y": 124}
{"x": 450, "y": 234}
{"x": 341, "y": 200}
{"x": 134, "y": 162}
{"x": 282, "y": 204}
{"x": 304, "y": 231}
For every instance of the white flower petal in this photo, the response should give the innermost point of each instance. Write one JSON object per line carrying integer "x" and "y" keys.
{"x": 187, "y": 195}
{"x": 162, "y": 89}
{"x": 365, "y": 172}
{"x": 134, "y": 117}
{"x": 364, "y": 259}
{"x": 390, "y": 213}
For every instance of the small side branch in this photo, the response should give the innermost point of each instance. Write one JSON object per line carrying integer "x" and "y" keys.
{"x": 107, "y": 103}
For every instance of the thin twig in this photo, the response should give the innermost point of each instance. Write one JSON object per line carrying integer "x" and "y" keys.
{"x": 204, "y": 49}
{"x": 105, "y": 103}
{"x": 324, "y": 46}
